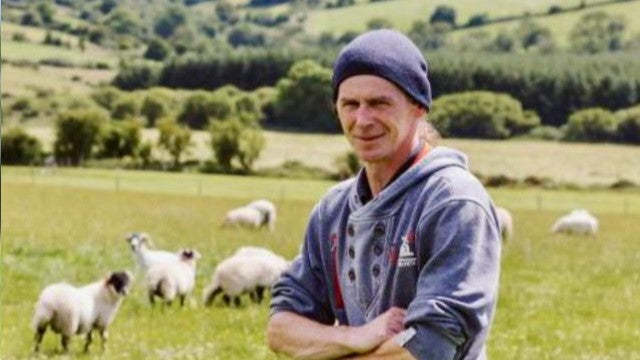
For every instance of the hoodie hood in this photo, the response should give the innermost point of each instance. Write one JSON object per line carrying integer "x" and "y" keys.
{"x": 438, "y": 159}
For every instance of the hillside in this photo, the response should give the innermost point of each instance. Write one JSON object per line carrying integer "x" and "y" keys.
{"x": 560, "y": 25}
{"x": 402, "y": 13}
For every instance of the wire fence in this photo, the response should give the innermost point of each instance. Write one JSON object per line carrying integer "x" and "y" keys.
{"x": 283, "y": 189}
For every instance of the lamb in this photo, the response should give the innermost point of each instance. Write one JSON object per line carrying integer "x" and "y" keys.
{"x": 250, "y": 270}
{"x": 247, "y": 216}
{"x": 505, "y": 220}
{"x": 168, "y": 280}
{"x": 70, "y": 310}
{"x": 579, "y": 221}
{"x": 268, "y": 210}
{"x": 146, "y": 257}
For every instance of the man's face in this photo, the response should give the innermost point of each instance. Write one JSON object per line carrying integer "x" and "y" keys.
{"x": 376, "y": 117}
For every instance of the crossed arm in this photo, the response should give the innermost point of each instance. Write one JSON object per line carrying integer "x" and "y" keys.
{"x": 302, "y": 338}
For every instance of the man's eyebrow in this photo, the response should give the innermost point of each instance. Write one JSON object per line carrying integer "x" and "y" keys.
{"x": 373, "y": 99}
{"x": 381, "y": 98}
{"x": 344, "y": 100}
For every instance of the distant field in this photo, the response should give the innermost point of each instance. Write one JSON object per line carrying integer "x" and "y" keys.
{"x": 24, "y": 80}
{"x": 582, "y": 164}
{"x": 34, "y": 50}
{"x": 553, "y": 289}
{"x": 561, "y": 24}
{"x": 402, "y": 13}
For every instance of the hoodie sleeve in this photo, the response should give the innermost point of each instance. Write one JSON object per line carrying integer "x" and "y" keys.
{"x": 458, "y": 282}
{"x": 302, "y": 288}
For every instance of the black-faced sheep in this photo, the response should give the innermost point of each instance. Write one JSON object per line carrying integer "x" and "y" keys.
{"x": 145, "y": 257}
{"x": 268, "y": 210}
{"x": 168, "y": 280}
{"x": 70, "y": 310}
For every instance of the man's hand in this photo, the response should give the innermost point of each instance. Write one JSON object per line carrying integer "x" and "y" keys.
{"x": 367, "y": 337}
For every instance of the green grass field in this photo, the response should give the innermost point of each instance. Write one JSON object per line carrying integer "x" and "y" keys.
{"x": 560, "y": 25}
{"x": 34, "y": 50}
{"x": 583, "y": 164}
{"x": 402, "y": 13}
{"x": 560, "y": 297}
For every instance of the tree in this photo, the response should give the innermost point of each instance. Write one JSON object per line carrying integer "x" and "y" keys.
{"x": 107, "y": 5}
{"x": 379, "y": 23}
{"x": 304, "y": 99}
{"x": 445, "y": 14}
{"x": 246, "y": 36}
{"x": 597, "y": 32}
{"x": 126, "y": 107}
{"x": 46, "y": 11}
{"x": 592, "y": 125}
{"x": 226, "y": 12}
{"x": 20, "y": 148}
{"x": 429, "y": 36}
{"x": 477, "y": 20}
{"x": 194, "y": 111}
{"x": 628, "y": 125}
{"x": 119, "y": 139}
{"x": 153, "y": 107}
{"x": 534, "y": 36}
{"x": 77, "y": 132}
{"x": 123, "y": 21}
{"x": 157, "y": 49}
{"x": 165, "y": 25}
{"x": 481, "y": 114}
{"x": 175, "y": 139}
{"x": 231, "y": 139}
{"x": 106, "y": 96}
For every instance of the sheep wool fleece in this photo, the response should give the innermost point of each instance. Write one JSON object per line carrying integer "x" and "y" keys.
{"x": 429, "y": 242}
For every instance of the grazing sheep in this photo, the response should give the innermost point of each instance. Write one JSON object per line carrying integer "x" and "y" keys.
{"x": 577, "y": 222}
{"x": 168, "y": 280}
{"x": 268, "y": 210}
{"x": 71, "y": 310}
{"x": 505, "y": 220}
{"x": 257, "y": 251}
{"x": 253, "y": 272}
{"x": 246, "y": 216}
{"x": 146, "y": 257}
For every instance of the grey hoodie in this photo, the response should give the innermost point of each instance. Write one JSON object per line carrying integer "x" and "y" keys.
{"x": 429, "y": 242}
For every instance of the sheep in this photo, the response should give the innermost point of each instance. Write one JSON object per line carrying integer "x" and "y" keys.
{"x": 579, "y": 221}
{"x": 146, "y": 257}
{"x": 168, "y": 280}
{"x": 268, "y": 210}
{"x": 246, "y": 216}
{"x": 250, "y": 271}
{"x": 257, "y": 251}
{"x": 70, "y": 310}
{"x": 505, "y": 220}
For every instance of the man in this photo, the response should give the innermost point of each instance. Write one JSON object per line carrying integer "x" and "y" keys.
{"x": 401, "y": 262}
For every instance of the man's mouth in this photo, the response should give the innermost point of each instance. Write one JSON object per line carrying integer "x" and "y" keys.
{"x": 368, "y": 137}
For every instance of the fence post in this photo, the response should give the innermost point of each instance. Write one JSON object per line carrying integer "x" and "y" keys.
{"x": 539, "y": 202}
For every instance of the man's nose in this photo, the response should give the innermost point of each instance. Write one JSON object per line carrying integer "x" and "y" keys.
{"x": 363, "y": 115}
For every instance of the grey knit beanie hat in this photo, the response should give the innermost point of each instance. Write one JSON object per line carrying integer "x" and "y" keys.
{"x": 390, "y": 55}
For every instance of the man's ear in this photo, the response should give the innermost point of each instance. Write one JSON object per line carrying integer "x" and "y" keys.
{"x": 418, "y": 110}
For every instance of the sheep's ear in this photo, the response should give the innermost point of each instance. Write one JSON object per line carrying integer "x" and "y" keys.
{"x": 129, "y": 237}
{"x": 144, "y": 237}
